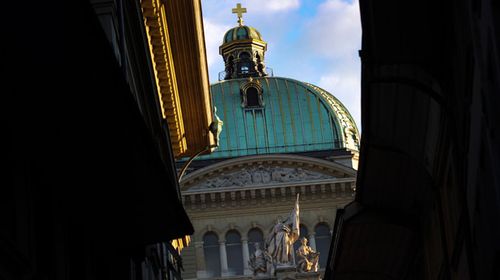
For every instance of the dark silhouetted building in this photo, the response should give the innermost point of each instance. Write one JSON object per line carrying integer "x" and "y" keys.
{"x": 97, "y": 109}
{"x": 428, "y": 190}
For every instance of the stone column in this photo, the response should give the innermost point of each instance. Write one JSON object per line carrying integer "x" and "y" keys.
{"x": 223, "y": 258}
{"x": 246, "y": 257}
{"x": 201, "y": 269}
{"x": 312, "y": 241}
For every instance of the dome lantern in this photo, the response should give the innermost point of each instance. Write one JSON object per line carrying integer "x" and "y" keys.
{"x": 243, "y": 50}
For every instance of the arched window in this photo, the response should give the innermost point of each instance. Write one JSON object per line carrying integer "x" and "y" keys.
{"x": 255, "y": 235}
{"x": 245, "y": 62}
{"x": 323, "y": 239}
{"x": 252, "y": 97}
{"x": 234, "y": 253}
{"x": 229, "y": 67}
{"x": 303, "y": 233}
{"x": 212, "y": 254}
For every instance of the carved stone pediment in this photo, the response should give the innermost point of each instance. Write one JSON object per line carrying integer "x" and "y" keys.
{"x": 260, "y": 175}
{"x": 264, "y": 170}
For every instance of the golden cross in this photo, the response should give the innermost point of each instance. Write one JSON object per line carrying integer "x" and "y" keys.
{"x": 239, "y": 11}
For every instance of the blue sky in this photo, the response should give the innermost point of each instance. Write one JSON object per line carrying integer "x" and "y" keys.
{"x": 315, "y": 41}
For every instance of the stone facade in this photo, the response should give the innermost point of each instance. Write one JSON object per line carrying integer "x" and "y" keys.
{"x": 219, "y": 200}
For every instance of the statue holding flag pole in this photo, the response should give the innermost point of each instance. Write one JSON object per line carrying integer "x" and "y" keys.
{"x": 282, "y": 236}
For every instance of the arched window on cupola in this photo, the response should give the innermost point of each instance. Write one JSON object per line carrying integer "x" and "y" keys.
{"x": 323, "y": 238}
{"x": 212, "y": 254}
{"x": 245, "y": 63}
{"x": 252, "y": 94}
{"x": 229, "y": 67}
{"x": 234, "y": 253}
{"x": 255, "y": 235}
{"x": 252, "y": 97}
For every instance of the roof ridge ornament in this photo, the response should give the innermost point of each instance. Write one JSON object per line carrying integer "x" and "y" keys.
{"x": 239, "y": 11}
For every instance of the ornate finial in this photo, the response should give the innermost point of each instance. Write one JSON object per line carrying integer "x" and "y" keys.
{"x": 239, "y": 11}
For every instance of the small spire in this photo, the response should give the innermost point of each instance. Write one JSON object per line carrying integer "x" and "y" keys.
{"x": 239, "y": 11}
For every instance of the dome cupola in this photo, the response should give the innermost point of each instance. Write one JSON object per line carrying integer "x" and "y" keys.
{"x": 242, "y": 33}
{"x": 243, "y": 50}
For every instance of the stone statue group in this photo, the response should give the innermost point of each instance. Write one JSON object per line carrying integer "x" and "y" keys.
{"x": 278, "y": 248}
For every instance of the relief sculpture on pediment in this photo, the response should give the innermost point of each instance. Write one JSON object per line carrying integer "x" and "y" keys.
{"x": 260, "y": 175}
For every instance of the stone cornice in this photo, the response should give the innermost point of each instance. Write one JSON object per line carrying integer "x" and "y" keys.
{"x": 164, "y": 72}
{"x": 187, "y": 40}
{"x": 274, "y": 186}
{"x": 241, "y": 196}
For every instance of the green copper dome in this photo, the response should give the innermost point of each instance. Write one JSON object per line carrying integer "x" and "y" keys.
{"x": 241, "y": 33}
{"x": 287, "y": 116}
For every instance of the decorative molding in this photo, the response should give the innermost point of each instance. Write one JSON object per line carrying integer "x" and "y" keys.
{"x": 312, "y": 165}
{"x": 262, "y": 174}
{"x": 217, "y": 197}
{"x": 185, "y": 24}
{"x": 164, "y": 72}
{"x": 244, "y": 91}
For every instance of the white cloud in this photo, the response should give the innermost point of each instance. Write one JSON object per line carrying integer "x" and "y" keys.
{"x": 271, "y": 6}
{"x": 213, "y": 39}
{"x": 334, "y": 35}
{"x": 223, "y": 8}
{"x": 335, "y": 31}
